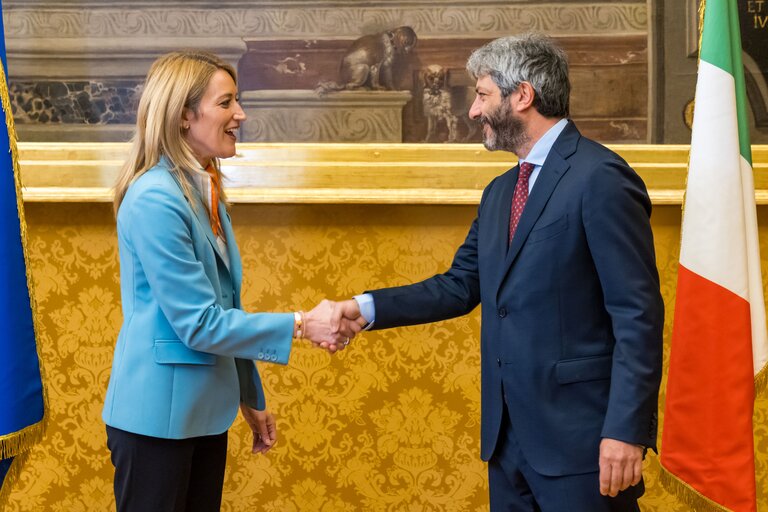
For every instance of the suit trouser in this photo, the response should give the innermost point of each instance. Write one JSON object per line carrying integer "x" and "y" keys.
{"x": 167, "y": 475}
{"x": 514, "y": 486}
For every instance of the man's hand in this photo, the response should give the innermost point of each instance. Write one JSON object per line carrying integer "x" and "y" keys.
{"x": 621, "y": 465}
{"x": 346, "y": 317}
{"x": 321, "y": 330}
{"x": 263, "y": 426}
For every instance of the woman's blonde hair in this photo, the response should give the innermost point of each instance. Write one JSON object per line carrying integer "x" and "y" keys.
{"x": 176, "y": 81}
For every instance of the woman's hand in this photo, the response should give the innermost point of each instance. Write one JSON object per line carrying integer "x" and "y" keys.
{"x": 262, "y": 424}
{"x": 320, "y": 329}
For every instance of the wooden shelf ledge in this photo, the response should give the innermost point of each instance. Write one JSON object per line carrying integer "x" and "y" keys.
{"x": 451, "y": 174}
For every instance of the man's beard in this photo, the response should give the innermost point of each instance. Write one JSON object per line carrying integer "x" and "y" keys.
{"x": 507, "y": 131}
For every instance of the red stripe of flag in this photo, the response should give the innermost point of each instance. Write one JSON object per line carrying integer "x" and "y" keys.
{"x": 707, "y": 438}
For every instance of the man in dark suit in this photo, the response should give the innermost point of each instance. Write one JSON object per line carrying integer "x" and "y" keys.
{"x": 561, "y": 257}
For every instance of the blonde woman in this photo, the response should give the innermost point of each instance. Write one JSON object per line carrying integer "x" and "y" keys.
{"x": 183, "y": 361}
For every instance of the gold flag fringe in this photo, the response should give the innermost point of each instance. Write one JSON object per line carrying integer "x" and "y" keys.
{"x": 11, "y": 476}
{"x": 693, "y": 499}
{"x": 702, "y": 7}
{"x": 17, "y": 444}
{"x": 14, "y": 444}
{"x": 761, "y": 380}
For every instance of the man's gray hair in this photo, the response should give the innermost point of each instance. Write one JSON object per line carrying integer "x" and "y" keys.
{"x": 532, "y": 58}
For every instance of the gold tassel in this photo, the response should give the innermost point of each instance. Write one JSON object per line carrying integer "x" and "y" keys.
{"x": 693, "y": 499}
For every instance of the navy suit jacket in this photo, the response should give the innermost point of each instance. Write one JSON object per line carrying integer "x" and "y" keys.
{"x": 572, "y": 315}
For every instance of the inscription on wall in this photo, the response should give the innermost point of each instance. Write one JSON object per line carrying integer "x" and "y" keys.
{"x": 753, "y": 16}
{"x": 759, "y": 12}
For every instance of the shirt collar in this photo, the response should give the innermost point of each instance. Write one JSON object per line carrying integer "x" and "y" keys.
{"x": 540, "y": 150}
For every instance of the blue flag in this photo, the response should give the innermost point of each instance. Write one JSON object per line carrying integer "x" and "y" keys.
{"x": 21, "y": 389}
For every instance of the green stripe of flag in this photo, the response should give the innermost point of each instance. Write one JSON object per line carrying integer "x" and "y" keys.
{"x": 721, "y": 47}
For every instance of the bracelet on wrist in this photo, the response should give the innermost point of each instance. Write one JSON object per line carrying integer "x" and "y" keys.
{"x": 298, "y": 321}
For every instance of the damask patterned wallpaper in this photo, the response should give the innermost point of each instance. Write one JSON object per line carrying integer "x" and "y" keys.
{"x": 390, "y": 425}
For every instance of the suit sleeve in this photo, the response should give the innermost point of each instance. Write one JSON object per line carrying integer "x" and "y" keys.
{"x": 453, "y": 293}
{"x": 617, "y": 224}
{"x": 158, "y": 227}
{"x": 251, "y": 391}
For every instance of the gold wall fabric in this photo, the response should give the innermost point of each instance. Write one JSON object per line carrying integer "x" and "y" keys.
{"x": 390, "y": 424}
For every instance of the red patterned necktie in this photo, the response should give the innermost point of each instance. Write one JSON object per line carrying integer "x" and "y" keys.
{"x": 520, "y": 197}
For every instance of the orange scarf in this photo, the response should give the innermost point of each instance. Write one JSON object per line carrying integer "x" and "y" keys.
{"x": 215, "y": 186}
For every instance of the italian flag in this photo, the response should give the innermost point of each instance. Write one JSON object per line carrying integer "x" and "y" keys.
{"x": 719, "y": 344}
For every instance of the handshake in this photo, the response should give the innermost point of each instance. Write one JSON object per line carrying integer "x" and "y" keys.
{"x": 331, "y": 325}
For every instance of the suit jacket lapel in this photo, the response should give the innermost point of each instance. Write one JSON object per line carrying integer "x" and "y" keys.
{"x": 501, "y": 213}
{"x": 205, "y": 223}
{"x": 235, "y": 266}
{"x": 550, "y": 174}
{"x": 201, "y": 214}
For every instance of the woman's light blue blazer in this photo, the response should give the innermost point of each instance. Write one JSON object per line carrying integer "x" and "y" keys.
{"x": 184, "y": 356}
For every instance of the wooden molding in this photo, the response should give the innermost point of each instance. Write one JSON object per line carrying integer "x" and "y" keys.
{"x": 448, "y": 174}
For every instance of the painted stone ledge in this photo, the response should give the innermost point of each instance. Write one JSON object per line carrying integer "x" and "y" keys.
{"x": 304, "y": 116}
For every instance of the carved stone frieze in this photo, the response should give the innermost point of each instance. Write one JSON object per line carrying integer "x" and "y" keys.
{"x": 303, "y": 116}
{"x": 165, "y": 19}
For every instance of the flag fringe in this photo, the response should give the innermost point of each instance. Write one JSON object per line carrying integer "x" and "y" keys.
{"x": 701, "y": 9}
{"x": 693, "y": 499}
{"x": 761, "y": 380}
{"x": 5, "y": 100}
{"x": 10, "y": 477}
{"x": 13, "y": 445}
